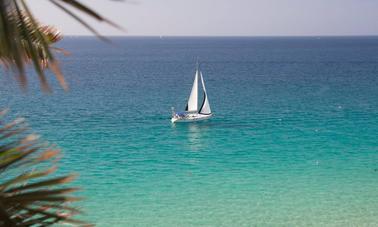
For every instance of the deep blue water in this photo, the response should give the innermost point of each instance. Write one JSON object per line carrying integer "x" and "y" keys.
{"x": 293, "y": 140}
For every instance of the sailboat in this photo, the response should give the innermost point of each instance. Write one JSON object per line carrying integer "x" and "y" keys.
{"x": 192, "y": 112}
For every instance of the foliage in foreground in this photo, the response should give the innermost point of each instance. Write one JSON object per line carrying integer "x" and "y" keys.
{"x": 24, "y": 40}
{"x": 29, "y": 196}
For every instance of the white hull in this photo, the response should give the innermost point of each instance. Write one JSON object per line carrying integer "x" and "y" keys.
{"x": 191, "y": 118}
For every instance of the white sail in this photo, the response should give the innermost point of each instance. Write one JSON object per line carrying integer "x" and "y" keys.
{"x": 205, "y": 107}
{"x": 193, "y": 98}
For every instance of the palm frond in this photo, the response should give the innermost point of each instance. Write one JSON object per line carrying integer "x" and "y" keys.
{"x": 28, "y": 195}
{"x": 23, "y": 40}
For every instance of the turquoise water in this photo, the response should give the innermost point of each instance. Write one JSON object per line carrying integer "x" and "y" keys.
{"x": 293, "y": 141}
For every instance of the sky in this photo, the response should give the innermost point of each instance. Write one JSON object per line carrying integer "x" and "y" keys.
{"x": 221, "y": 17}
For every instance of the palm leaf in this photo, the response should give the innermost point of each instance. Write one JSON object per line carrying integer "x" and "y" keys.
{"x": 29, "y": 196}
{"x": 24, "y": 40}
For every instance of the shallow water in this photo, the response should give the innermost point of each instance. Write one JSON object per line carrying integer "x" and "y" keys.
{"x": 293, "y": 140}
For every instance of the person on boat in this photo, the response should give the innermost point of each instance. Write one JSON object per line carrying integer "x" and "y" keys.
{"x": 174, "y": 114}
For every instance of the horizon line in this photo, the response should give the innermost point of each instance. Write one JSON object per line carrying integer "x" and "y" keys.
{"x": 221, "y": 36}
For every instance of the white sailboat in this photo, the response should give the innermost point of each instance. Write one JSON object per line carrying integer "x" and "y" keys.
{"x": 192, "y": 112}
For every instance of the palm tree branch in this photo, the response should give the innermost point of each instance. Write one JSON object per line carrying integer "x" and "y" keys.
{"x": 16, "y": 157}
{"x": 10, "y": 49}
{"x": 55, "y": 181}
{"x": 26, "y": 177}
{"x": 77, "y": 18}
{"x": 87, "y": 10}
{"x": 32, "y": 48}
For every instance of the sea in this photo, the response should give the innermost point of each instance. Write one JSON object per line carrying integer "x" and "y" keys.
{"x": 293, "y": 140}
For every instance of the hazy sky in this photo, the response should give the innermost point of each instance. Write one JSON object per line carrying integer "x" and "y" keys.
{"x": 223, "y": 17}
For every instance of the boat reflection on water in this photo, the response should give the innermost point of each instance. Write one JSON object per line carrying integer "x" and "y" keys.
{"x": 195, "y": 133}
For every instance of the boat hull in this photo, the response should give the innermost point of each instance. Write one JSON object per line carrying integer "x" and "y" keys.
{"x": 191, "y": 118}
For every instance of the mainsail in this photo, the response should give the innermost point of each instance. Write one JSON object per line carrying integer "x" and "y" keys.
{"x": 192, "y": 104}
{"x": 205, "y": 107}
